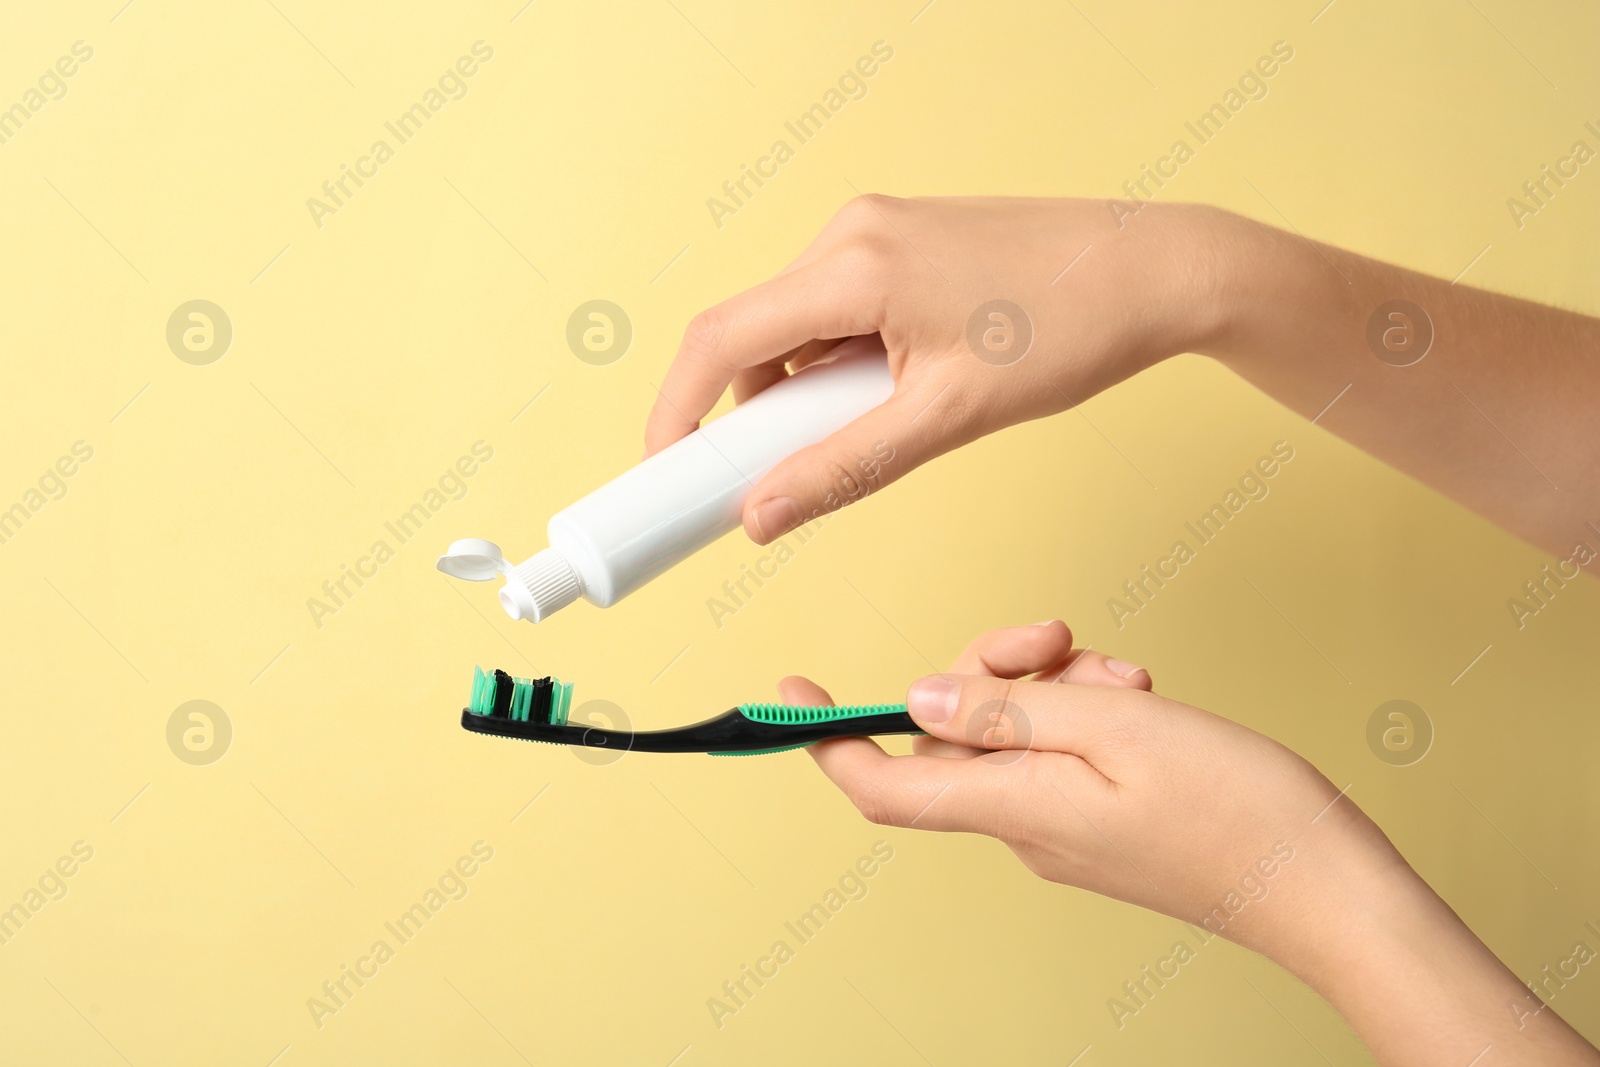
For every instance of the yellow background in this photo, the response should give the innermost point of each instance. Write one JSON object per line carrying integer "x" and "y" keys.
{"x": 424, "y": 316}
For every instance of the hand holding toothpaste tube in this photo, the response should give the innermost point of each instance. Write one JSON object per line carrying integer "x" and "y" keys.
{"x": 998, "y": 310}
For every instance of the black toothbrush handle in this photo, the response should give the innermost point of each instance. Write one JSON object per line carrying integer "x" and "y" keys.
{"x": 737, "y": 731}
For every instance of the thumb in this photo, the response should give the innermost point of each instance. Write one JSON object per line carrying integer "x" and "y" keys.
{"x": 997, "y": 713}
{"x": 880, "y": 447}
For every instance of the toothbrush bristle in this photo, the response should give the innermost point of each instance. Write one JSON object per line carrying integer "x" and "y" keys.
{"x": 537, "y": 700}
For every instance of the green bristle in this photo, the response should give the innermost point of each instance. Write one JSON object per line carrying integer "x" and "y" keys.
{"x": 520, "y": 700}
{"x": 560, "y": 702}
{"x": 476, "y": 705}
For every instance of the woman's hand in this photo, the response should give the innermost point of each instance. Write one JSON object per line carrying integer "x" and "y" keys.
{"x": 1094, "y": 781}
{"x": 1091, "y": 296}
{"x": 995, "y": 311}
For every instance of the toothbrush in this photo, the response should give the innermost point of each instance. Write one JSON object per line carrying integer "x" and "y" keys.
{"x": 536, "y": 710}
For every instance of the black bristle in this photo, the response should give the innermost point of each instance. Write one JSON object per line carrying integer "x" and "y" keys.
{"x": 503, "y": 685}
{"x": 539, "y": 709}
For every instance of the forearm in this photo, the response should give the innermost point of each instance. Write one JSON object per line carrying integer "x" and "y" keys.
{"x": 1408, "y": 975}
{"x": 1501, "y": 413}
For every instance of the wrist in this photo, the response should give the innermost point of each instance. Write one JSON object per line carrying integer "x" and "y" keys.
{"x": 1170, "y": 284}
{"x": 1258, "y": 280}
{"x": 1372, "y": 938}
{"x": 1211, "y": 260}
{"x": 1375, "y": 918}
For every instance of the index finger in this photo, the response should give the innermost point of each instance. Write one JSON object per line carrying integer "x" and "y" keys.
{"x": 921, "y": 792}
{"x": 925, "y": 792}
{"x": 755, "y": 327}
{"x": 1014, "y": 651}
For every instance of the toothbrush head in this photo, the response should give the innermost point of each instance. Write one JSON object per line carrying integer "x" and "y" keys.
{"x": 497, "y": 695}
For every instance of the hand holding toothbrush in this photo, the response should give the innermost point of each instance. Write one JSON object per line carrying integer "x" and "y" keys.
{"x": 1095, "y": 782}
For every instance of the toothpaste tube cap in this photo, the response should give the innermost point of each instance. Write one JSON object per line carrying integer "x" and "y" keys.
{"x": 473, "y": 559}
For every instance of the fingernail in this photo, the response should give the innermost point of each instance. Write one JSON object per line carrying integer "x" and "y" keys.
{"x": 1121, "y": 669}
{"x": 1046, "y": 622}
{"x": 933, "y": 699}
{"x": 776, "y": 517}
